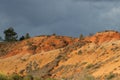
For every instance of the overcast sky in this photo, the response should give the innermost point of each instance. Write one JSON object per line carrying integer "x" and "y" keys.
{"x": 63, "y": 17}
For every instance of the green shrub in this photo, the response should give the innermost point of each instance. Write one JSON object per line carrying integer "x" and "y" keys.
{"x": 28, "y": 77}
{"x": 18, "y": 77}
{"x": 15, "y": 77}
{"x": 3, "y": 77}
{"x": 110, "y": 76}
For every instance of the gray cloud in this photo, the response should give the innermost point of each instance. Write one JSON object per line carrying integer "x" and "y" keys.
{"x": 98, "y": 0}
{"x": 64, "y": 17}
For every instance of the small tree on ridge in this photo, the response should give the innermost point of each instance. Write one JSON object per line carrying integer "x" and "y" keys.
{"x": 10, "y": 34}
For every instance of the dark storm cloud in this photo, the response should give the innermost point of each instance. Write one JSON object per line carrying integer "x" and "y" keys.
{"x": 97, "y": 0}
{"x": 65, "y": 17}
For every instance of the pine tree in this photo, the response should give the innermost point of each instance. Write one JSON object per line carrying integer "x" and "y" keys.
{"x": 21, "y": 38}
{"x": 10, "y": 34}
{"x": 27, "y": 36}
{"x": 81, "y": 37}
{"x": 1, "y": 39}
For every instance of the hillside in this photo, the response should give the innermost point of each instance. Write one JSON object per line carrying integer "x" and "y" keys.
{"x": 35, "y": 45}
{"x": 63, "y": 57}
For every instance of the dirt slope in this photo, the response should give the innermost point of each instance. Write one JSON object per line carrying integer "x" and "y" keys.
{"x": 36, "y": 45}
{"x": 104, "y": 36}
{"x": 64, "y": 57}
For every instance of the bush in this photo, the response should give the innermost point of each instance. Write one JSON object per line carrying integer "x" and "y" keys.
{"x": 15, "y": 77}
{"x": 79, "y": 52}
{"x": 89, "y": 66}
{"x": 18, "y": 77}
{"x": 110, "y": 76}
{"x": 3, "y": 77}
{"x": 28, "y": 77}
{"x": 82, "y": 76}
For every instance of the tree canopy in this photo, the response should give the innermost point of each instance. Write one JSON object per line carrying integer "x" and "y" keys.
{"x": 10, "y": 34}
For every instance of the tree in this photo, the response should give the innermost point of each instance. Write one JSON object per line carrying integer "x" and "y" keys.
{"x": 21, "y": 38}
{"x": 10, "y": 34}
{"x": 81, "y": 37}
{"x": 1, "y": 39}
{"x": 27, "y": 36}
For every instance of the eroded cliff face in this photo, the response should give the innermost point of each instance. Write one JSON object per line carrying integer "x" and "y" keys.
{"x": 64, "y": 57}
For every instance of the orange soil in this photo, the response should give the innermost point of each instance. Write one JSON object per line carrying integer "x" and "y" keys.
{"x": 103, "y": 53}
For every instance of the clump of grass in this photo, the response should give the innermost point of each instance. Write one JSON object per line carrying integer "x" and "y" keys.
{"x": 28, "y": 77}
{"x": 79, "y": 52}
{"x": 89, "y": 66}
{"x": 88, "y": 77}
{"x": 110, "y": 76}
{"x": 83, "y": 63}
{"x": 19, "y": 77}
{"x": 82, "y": 76}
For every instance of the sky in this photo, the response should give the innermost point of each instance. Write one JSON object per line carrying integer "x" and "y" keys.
{"x": 63, "y": 17}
